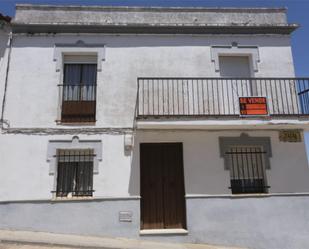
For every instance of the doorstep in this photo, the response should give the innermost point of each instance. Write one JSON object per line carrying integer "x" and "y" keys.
{"x": 178, "y": 231}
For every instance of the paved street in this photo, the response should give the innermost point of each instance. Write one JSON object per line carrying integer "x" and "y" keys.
{"x": 39, "y": 240}
{"x": 29, "y": 246}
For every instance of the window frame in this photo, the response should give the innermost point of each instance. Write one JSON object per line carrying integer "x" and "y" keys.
{"x": 247, "y": 169}
{"x": 81, "y": 71}
{"x": 236, "y": 50}
{"x": 64, "y": 156}
{"x": 244, "y": 140}
{"x": 89, "y": 117}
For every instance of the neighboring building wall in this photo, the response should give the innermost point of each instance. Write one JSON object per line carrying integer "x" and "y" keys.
{"x": 126, "y": 58}
{"x": 4, "y": 40}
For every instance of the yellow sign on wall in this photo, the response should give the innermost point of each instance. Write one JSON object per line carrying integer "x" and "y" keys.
{"x": 292, "y": 136}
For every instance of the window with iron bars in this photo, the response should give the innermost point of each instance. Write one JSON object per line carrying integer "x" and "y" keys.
{"x": 75, "y": 173}
{"x": 247, "y": 170}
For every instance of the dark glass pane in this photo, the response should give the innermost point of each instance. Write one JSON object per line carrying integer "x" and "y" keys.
{"x": 65, "y": 179}
{"x": 75, "y": 173}
{"x": 72, "y": 74}
{"x": 89, "y": 74}
{"x": 247, "y": 170}
{"x": 246, "y": 186}
{"x": 84, "y": 178}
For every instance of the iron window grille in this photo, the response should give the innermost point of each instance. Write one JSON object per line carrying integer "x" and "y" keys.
{"x": 247, "y": 170}
{"x": 75, "y": 173}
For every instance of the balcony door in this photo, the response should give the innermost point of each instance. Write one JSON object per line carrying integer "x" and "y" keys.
{"x": 235, "y": 67}
{"x": 238, "y": 71}
{"x": 79, "y": 92}
{"x": 162, "y": 186}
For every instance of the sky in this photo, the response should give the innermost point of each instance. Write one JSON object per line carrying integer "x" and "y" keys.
{"x": 298, "y": 12}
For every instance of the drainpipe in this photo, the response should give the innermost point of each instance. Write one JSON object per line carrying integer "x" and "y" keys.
{"x": 2, "y": 120}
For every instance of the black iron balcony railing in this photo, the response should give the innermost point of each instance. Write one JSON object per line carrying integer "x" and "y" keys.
{"x": 78, "y": 103}
{"x": 217, "y": 97}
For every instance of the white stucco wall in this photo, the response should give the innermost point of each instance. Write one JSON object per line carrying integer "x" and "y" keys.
{"x": 32, "y": 98}
{"x": 25, "y": 170}
{"x": 204, "y": 168}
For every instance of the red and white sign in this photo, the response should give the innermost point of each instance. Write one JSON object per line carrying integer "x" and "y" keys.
{"x": 253, "y": 106}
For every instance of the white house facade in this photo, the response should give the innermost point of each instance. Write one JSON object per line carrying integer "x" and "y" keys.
{"x": 178, "y": 124}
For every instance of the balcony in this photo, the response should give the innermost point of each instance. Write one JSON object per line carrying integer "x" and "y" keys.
{"x": 78, "y": 103}
{"x": 208, "y": 98}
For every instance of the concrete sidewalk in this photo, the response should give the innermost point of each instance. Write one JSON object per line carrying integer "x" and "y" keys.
{"x": 26, "y": 240}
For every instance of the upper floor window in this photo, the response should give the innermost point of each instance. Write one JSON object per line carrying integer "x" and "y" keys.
{"x": 79, "y": 89}
{"x": 235, "y": 66}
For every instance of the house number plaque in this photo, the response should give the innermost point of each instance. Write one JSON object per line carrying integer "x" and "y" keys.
{"x": 292, "y": 136}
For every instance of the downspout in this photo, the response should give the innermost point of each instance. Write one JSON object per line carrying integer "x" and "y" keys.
{"x": 2, "y": 120}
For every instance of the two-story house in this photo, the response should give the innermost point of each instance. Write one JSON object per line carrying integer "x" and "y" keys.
{"x": 180, "y": 124}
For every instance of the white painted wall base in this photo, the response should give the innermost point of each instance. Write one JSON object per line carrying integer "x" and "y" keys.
{"x": 258, "y": 223}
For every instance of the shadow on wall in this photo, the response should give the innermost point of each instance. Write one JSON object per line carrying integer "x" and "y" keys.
{"x": 127, "y": 41}
{"x": 134, "y": 182}
{"x": 307, "y": 145}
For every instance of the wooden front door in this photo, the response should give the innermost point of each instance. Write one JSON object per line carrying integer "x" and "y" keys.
{"x": 162, "y": 186}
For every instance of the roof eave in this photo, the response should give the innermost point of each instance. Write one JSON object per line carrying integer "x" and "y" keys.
{"x": 146, "y": 8}
{"x": 153, "y": 29}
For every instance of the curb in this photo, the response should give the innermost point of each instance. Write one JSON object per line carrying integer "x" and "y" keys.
{"x": 93, "y": 242}
{"x": 21, "y": 242}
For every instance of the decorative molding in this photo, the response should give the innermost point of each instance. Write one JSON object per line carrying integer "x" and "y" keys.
{"x": 79, "y": 48}
{"x": 68, "y": 131}
{"x": 245, "y": 140}
{"x": 75, "y": 199}
{"x": 237, "y": 50}
{"x": 239, "y": 196}
{"x": 75, "y": 143}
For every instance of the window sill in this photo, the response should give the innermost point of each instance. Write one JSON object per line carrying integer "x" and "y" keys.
{"x": 179, "y": 231}
{"x": 250, "y": 195}
{"x": 59, "y": 122}
{"x": 233, "y": 196}
{"x": 68, "y": 199}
